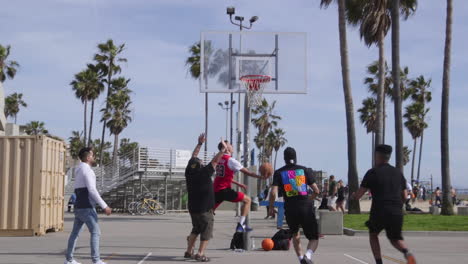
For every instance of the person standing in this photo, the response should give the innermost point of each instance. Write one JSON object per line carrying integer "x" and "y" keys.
{"x": 389, "y": 190}
{"x": 332, "y": 191}
{"x": 71, "y": 202}
{"x": 200, "y": 201}
{"x": 225, "y": 171}
{"x": 453, "y": 193}
{"x": 292, "y": 181}
{"x": 85, "y": 213}
{"x": 438, "y": 197}
{"x": 423, "y": 193}
{"x": 341, "y": 196}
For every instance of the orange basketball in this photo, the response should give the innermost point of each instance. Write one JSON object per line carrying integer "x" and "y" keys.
{"x": 266, "y": 170}
{"x": 267, "y": 244}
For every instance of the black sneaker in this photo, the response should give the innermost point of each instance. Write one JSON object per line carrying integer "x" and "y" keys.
{"x": 306, "y": 260}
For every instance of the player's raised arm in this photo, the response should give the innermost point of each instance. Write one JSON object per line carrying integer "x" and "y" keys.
{"x": 201, "y": 140}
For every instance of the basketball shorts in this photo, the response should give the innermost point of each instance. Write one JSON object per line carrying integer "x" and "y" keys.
{"x": 228, "y": 195}
{"x": 302, "y": 216}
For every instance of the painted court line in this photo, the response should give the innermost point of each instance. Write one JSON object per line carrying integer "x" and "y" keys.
{"x": 147, "y": 256}
{"x": 394, "y": 260}
{"x": 356, "y": 259}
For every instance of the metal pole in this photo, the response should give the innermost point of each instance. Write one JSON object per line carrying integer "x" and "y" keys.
{"x": 230, "y": 81}
{"x": 230, "y": 138}
{"x": 227, "y": 125}
{"x": 246, "y": 163}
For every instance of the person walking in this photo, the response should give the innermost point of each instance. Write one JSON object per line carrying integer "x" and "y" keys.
{"x": 438, "y": 197}
{"x": 292, "y": 181}
{"x": 341, "y": 196}
{"x": 85, "y": 212}
{"x": 453, "y": 193}
{"x": 200, "y": 201}
{"x": 332, "y": 191}
{"x": 389, "y": 190}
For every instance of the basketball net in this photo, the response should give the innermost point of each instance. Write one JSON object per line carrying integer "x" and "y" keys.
{"x": 254, "y": 86}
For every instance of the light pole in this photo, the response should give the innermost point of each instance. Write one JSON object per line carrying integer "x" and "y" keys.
{"x": 226, "y": 106}
{"x": 231, "y": 11}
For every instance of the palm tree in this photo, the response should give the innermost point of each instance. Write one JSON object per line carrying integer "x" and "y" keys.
{"x": 81, "y": 86}
{"x": 447, "y": 207}
{"x": 406, "y": 155}
{"x": 8, "y": 70}
{"x": 368, "y": 117}
{"x": 420, "y": 93}
{"x": 96, "y": 88}
{"x": 97, "y": 154}
{"x": 118, "y": 115}
{"x": 280, "y": 141}
{"x": 415, "y": 124}
{"x": 35, "y": 128}
{"x": 13, "y": 103}
{"x": 264, "y": 120}
{"x": 374, "y": 20}
{"x": 107, "y": 59}
{"x": 75, "y": 144}
{"x": 353, "y": 179}
{"x": 193, "y": 62}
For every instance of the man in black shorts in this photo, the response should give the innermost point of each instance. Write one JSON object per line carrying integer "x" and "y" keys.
{"x": 388, "y": 187}
{"x": 200, "y": 200}
{"x": 292, "y": 181}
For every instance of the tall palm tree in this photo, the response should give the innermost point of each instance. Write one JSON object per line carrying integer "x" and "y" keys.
{"x": 280, "y": 141}
{"x": 353, "y": 179}
{"x": 96, "y": 88}
{"x": 193, "y": 62}
{"x": 447, "y": 207}
{"x": 75, "y": 144}
{"x": 118, "y": 115}
{"x": 81, "y": 87}
{"x": 415, "y": 124}
{"x": 374, "y": 20}
{"x": 406, "y": 155}
{"x": 35, "y": 128}
{"x": 107, "y": 59}
{"x": 368, "y": 115}
{"x": 13, "y": 103}
{"x": 8, "y": 70}
{"x": 264, "y": 120}
{"x": 419, "y": 88}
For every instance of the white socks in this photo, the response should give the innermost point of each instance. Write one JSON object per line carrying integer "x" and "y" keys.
{"x": 242, "y": 220}
{"x": 309, "y": 253}
{"x": 300, "y": 258}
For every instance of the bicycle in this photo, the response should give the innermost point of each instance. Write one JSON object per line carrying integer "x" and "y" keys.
{"x": 151, "y": 206}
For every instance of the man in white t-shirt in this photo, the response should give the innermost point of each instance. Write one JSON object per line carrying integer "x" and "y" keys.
{"x": 225, "y": 171}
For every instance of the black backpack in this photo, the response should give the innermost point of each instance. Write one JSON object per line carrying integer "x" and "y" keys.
{"x": 282, "y": 239}
{"x": 237, "y": 241}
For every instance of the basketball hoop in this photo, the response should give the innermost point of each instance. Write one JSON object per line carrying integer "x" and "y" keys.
{"x": 254, "y": 85}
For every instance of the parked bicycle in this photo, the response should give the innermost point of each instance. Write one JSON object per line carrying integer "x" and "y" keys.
{"x": 146, "y": 204}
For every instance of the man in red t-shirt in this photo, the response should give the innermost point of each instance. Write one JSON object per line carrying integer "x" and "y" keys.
{"x": 225, "y": 171}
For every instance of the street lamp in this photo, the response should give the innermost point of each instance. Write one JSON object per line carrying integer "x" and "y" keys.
{"x": 227, "y": 107}
{"x": 231, "y": 11}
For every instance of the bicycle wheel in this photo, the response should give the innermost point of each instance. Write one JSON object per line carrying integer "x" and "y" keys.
{"x": 142, "y": 208}
{"x": 159, "y": 209}
{"x": 132, "y": 208}
{"x": 152, "y": 205}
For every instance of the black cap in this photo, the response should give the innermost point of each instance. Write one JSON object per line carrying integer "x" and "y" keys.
{"x": 193, "y": 166}
{"x": 384, "y": 149}
{"x": 290, "y": 156}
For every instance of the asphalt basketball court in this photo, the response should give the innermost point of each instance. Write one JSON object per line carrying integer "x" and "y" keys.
{"x": 161, "y": 239}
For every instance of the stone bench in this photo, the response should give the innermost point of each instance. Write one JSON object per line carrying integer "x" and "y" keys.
{"x": 434, "y": 210}
{"x": 462, "y": 210}
{"x": 330, "y": 223}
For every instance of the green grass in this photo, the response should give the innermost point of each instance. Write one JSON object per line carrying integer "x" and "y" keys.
{"x": 413, "y": 222}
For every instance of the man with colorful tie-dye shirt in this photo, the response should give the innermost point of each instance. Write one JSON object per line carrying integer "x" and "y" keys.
{"x": 292, "y": 181}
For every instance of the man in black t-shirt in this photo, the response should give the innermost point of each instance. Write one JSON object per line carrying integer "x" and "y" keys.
{"x": 292, "y": 181}
{"x": 388, "y": 187}
{"x": 200, "y": 200}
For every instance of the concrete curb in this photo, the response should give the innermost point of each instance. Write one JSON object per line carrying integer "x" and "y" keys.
{"x": 352, "y": 232}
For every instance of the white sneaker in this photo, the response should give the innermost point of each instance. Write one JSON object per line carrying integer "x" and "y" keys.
{"x": 100, "y": 262}
{"x": 71, "y": 262}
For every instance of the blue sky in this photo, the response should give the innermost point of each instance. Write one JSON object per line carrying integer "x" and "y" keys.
{"x": 54, "y": 39}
